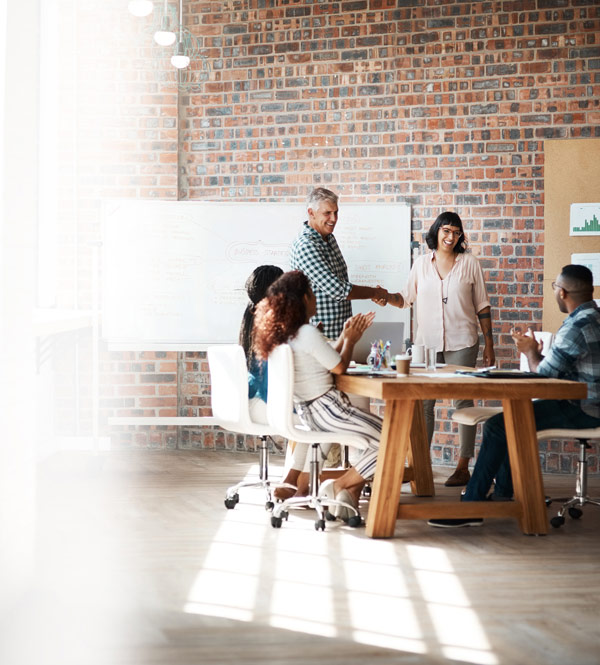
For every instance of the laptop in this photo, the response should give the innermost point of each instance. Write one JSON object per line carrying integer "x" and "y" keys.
{"x": 391, "y": 330}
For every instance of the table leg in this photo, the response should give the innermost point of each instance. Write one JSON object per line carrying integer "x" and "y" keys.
{"x": 419, "y": 457}
{"x": 525, "y": 465}
{"x": 393, "y": 449}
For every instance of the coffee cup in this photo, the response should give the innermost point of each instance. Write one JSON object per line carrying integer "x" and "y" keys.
{"x": 417, "y": 351}
{"x": 402, "y": 365}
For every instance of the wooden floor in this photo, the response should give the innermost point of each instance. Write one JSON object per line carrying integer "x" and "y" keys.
{"x": 140, "y": 563}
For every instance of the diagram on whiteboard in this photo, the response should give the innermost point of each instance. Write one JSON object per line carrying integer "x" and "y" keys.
{"x": 174, "y": 271}
{"x": 585, "y": 219}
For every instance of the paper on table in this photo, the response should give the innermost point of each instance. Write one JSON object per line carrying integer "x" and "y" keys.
{"x": 447, "y": 375}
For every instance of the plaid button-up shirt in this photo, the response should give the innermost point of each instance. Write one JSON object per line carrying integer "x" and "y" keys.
{"x": 322, "y": 262}
{"x": 575, "y": 354}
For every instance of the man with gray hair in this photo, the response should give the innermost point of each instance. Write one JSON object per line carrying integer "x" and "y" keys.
{"x": 316, "y": 253}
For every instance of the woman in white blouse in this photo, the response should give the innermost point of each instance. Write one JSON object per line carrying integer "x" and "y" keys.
{"x": 283, "y": 317}
{"x": 451, "y": 298}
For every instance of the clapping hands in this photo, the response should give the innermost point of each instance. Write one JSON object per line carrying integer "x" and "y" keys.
{"x": 355, "y": 326}
{"x": 526, "y": 342}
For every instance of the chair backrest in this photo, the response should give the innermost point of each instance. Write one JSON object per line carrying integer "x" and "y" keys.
{"x": 229, "y": 384}
{"x": 280, "y": 405}
{"x": 546, "y": 338}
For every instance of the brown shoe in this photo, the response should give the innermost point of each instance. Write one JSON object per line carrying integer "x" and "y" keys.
{"x": 459, "y": 478}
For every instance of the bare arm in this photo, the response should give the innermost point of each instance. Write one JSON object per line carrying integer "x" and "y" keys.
{"x": 367, "y": 293}
{"x": 485, "y": 321}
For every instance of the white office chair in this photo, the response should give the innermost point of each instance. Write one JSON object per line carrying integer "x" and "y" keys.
{"x": 280, "y": 406}
{"x": 473, "y": 415}
{"x": 230, "y": 405}
{"x": 573, "y": 504}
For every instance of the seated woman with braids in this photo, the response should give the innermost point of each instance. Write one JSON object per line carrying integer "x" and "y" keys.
{"x": 283, "y": 317}
{"x": 256, "y": 288}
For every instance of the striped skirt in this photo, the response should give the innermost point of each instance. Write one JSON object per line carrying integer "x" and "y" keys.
{"x": 333, "y": 412}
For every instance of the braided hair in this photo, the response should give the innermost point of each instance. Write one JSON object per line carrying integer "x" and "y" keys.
{"x": 256, "y": 288}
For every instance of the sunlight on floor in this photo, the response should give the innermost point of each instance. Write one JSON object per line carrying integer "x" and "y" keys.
{"x": 339, "y": 587}
{"x": 458, "y": 629}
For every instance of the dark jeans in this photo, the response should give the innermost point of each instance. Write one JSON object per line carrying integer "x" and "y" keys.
{"x": 492, "y": 461}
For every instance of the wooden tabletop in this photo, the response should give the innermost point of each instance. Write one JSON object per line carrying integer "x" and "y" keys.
{"x": 447, "y": 385}
{"x": 404, "y": 439}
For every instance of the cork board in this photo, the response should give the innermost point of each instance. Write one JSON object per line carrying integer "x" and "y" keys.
{"x": 571, "y": 175}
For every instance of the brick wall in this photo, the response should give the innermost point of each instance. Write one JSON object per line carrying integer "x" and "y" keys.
{"x": 445, "y": 105}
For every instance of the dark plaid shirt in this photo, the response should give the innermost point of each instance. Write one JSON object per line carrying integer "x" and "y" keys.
{"x": 575, "y": 354}
{"x": 322, "y": 262}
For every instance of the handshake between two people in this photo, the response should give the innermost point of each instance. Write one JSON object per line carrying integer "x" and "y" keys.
{"x": 386, "y": 298}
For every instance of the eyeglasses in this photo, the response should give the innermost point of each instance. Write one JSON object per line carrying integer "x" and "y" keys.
{"x": 555, "y": 285}
{"x": 450, "y": 232}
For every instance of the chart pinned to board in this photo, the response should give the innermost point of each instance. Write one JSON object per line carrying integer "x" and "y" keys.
{"x": 585, "y": 219}
{"x": 174, "y": 271}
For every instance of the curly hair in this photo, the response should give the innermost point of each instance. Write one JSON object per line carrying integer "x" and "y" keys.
{"x": 446, "y": 218}
{"x": 281, "y": 313}
{"x": 256, "y": 288}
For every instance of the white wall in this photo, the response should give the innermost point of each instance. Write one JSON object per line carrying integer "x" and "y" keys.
{"x": 18, "y": 224}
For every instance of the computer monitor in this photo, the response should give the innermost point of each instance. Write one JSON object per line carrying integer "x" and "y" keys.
{"x": 391, "y": 330}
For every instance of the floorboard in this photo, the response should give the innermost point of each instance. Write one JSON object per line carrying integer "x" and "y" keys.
{"x": 139, "y": 562}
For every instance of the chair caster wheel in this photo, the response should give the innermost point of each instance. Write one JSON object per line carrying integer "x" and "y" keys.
{"x": 354, "y": 521}
{"x": 575, "y": 513}
{"x": 232, "y": 501}
{"x": 330, "y": 516}
{"x": 320, "y": 525}
{"x": 548, "y": 501}
{"x": 276, "y": 522}
{"x": 269, "y": 506}
{"x": 557, "y": 521}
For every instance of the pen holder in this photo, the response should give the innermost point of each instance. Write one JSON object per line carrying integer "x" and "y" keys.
{"x": 380, "y": 356}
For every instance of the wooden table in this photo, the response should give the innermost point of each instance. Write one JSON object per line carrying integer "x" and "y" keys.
{"x": 404, "y": 439}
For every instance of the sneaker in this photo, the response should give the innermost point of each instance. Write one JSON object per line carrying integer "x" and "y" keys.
{"x": 457, "y": 523}
{"x": 326, "y": 490}
{"x": 341, "y": 512}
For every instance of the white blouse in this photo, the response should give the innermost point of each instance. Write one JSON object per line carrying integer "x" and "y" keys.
{"x": 447, "y": 308}
{"x": 314, "y": 357}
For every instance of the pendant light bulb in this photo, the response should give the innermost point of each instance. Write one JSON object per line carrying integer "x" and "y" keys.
{"x": 165, "y": 36}
{"x": 180, "y": 59}
{"x": 140, "y": 7}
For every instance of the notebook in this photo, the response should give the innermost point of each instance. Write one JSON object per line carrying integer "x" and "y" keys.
{"x": 500, "y": 373}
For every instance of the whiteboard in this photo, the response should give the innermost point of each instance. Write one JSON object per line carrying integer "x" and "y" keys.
{"x": 174, "y": 271}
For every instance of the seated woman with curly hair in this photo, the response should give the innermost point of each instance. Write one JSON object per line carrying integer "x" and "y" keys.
{"x": 283, "y": 317}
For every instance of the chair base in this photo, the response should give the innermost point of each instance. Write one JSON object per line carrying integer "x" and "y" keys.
{"x": 320, "y": 504}
{"x": 573, "y": 505}
{"x": 232, "y": 496}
